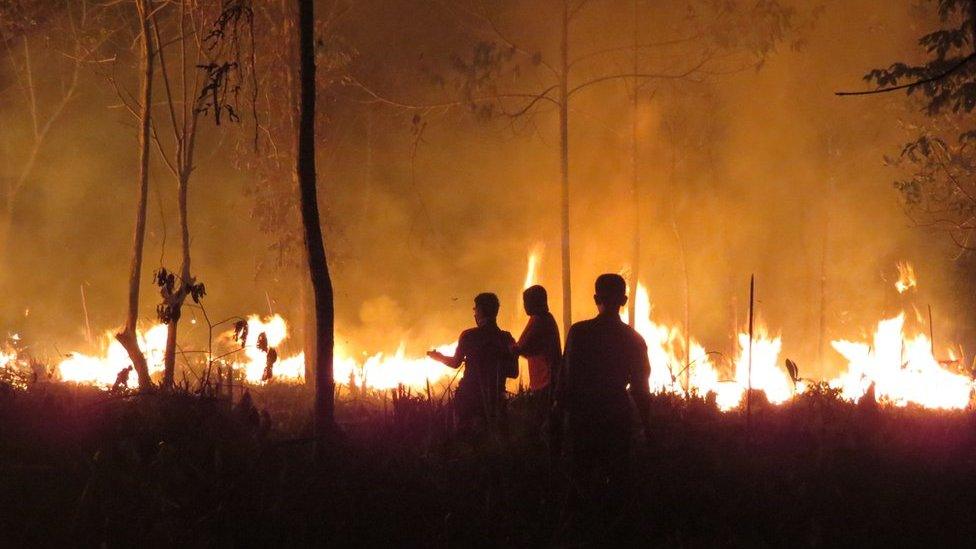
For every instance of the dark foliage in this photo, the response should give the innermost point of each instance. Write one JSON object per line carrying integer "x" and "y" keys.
{"x": 88, "y": 469}
{"x": 169, "y": 310}
{"x": 938, "y": 189}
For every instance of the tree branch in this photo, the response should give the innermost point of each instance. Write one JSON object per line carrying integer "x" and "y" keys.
{"x": 501, "y": 36}
{"x": 662, "y": 76}
{"x": 962, "y": 62}
{"x": 631, "y": 47}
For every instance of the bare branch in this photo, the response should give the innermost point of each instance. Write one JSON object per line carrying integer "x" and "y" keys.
{"x": 177, "y": 134}
{"x": 30, "y": 86}
{"x": 484, "y": 18}
{"x": 631, "y": 47}
{"x": 539, "y": 97}
{"x": 660, "y": 76}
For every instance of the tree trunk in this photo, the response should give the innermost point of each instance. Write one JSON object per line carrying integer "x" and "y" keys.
{"x": 169, "y": 357}
{"x": 324, "y": 406}
{"x": 127, "y": 335}
{"x": 564, "y": 168}
{"x": 308, "y": 326}
{"x": 634, "y": 191}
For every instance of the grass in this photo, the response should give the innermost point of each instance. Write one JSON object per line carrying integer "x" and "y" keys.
{"x": 80, "y": 467}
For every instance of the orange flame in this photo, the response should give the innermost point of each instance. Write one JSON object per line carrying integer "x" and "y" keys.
{"x": 906, "y": 277}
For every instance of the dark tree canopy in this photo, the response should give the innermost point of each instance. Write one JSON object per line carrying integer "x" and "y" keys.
{"x": 938, "y": 189}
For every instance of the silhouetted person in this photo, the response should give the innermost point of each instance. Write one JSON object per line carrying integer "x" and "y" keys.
{"x": 603, "y": 357}
{"x": 488, "y": 354}
{"x": 122, "y": 380}
{"x": 539, "y": 342}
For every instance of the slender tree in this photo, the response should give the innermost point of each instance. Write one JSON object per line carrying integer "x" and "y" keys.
{"x": 318, "y": 268}
{"x": 206, "y": 38}
{"x": 127, "y": 334}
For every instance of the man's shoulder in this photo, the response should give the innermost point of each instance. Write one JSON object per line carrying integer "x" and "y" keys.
{"x": 636, "y": 336}
{"x": 468, "y": 335}
{"x": 583, "y": 326}
{"x": 479, "y": 332}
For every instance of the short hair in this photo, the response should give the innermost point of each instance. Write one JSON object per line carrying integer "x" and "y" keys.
{"x": 536, "y": 298}
{"x": 611, "y": 289}
{"x": 487, "y": 303}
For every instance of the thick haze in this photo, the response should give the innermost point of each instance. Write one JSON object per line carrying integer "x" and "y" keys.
{"x": 754, "y": 171}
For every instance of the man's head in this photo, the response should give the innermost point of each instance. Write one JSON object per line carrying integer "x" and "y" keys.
{"x": 535, "y": 300}
{"x": 611, "y": 293}
{"x": 485, "y": 308}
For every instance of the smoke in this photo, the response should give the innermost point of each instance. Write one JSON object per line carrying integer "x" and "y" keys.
{"x": 757, "y": 172}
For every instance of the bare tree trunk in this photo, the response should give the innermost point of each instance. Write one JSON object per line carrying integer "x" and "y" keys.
{"x": 564, "y": 168}
{"x": 127, "y": 335}
{"x": 308, "y": 324}
{"x": 634, "y": 191}
{"x": 324, "y": 406}
{"x": 169, "y": 357}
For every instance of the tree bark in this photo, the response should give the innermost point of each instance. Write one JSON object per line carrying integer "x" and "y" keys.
{"x": 127, "y": 335}
{"x": 169, "y": 357}
{"x": 324, "y": 405}
{"x": 564, "y": 168}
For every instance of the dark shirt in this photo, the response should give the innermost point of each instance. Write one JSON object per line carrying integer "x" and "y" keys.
{"x": 540, "y": 345}
{"x": 487, "y": 354}
{"x": 603, "y": 357}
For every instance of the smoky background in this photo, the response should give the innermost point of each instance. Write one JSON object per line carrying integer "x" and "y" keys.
{"x": 757, "y": 172}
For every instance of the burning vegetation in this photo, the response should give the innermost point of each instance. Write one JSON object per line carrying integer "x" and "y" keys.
{"x": 897, "y": 366}
{"x": 278, "y": 213}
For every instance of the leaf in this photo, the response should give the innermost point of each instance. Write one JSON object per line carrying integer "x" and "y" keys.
{"x": 794, "y": 371}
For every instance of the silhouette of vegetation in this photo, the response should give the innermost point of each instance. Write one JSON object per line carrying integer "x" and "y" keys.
{"x": 90, "y": 469}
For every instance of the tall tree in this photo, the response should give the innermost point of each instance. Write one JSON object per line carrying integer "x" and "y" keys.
{"x": 318, "y": 268}
{"x": 207, "y": 39}
{"x": 127, "y": 334}
{"x": 267, "y": 150}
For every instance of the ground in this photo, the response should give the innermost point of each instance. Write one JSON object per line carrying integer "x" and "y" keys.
{"x": 83, "y": 467}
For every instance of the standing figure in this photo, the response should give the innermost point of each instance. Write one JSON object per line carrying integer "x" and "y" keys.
{"x": 488, "y": 354}
{"x": 604, "y": 356}
{"x": 539, "y": 342}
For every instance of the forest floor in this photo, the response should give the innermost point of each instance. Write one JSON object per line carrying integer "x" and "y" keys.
{"x": 82, "y": 467}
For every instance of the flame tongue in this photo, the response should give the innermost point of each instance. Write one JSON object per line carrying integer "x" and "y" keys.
{"x": 906, "y": 277}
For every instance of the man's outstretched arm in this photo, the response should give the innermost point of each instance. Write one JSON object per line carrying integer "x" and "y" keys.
{"x": 450, "y": 361}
